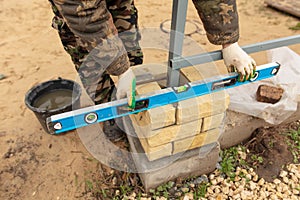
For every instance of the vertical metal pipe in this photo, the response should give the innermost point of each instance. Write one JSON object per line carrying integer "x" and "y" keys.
{"x": 176, "y": 38}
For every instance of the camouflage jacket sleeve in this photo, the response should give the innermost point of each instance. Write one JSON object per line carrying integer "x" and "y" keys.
{"x": 92, "y": 24}
{"x": 220, "y": 20}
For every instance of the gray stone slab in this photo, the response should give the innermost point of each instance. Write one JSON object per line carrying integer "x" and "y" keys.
{"x": 239, "y": 127}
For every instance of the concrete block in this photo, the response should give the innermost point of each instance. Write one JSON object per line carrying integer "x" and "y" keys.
{"x": 201, "y": 107}
{"x": 238, "y": 128}
{"x": 199, "y": 140}
{"x": 157, "y": 117}
{"x": 212, "y": 122}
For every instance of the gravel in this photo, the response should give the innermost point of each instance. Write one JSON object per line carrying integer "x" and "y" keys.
{"x": 250, "y": 186}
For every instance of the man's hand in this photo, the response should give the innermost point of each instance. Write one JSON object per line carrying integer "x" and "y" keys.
{"x": 124, "y": 84}
{"x": 236, "y": 59}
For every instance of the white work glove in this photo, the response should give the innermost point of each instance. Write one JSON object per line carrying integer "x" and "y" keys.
{"x": 124, "y": 84}
{"x": 236, "y": 59}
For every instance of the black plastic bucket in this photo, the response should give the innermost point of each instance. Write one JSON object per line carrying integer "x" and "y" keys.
{"x": 51, "y": 86}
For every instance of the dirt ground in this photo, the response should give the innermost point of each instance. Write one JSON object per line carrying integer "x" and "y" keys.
{"x": 35, "y": 165}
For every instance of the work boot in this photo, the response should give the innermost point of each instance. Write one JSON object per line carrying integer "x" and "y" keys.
{"x": 112, "y": 131}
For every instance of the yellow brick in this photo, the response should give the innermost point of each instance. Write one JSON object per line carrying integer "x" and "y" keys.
{"x": 200, "y": 107}
{"x": 199, "y": 140}
{"x": 147, "y": 88}
{"x": 154, "y": 153}
{"x": 191, "y": 74}
{"x": 212, "y": 122}
{"x": 168, "y": 134}
{"x": 203, "y": 71}
{"x": 157, "y": 117}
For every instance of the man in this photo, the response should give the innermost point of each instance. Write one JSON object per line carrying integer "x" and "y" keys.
{"x": 91, "y": 27}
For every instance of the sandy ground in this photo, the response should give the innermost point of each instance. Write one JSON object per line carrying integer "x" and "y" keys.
{"x": 35, "y": 165}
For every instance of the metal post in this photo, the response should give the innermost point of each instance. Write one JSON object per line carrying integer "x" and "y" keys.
{"x": 176, "y": 38}
{"x": 180, "y": 62}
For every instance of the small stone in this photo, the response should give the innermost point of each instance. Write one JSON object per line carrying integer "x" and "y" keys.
{"x": 243, "y": 155}
{"x": 293, "y": 169}
{"x": 225, "y": 190}
{"x": 255, "y": 178}
{"x": 220, "y": 179}
{"x": 246, "y": 194}
{"x": 285, "y": 179}
{"x": 2, "y": 76}
{"x": 190, "y": 196}
{"x": 114, "y": 181}
{"x": 133, "y": 195}
{"x": 294, "y": 178}
{"x": 185, "y": 190}
{"x": 34, "y": 193}
{"x": 276, "y": 181}
{"x": 278, "y": 194}
{"x": 294, "y": 197}
{"x": 252, "y": 185}
{"x": 192, "y": 185}
{"x": 178, "y": 194}
{"x": 201, "y": 179}
{"x": 273, "y": 197}
{"x": 211, "y": 176}
{"x": 244, "y": 171}
{"x": 297, "y": 174}
{"x": 261, "y": 182}
{"x": 237, "y": 196}
{"x": 230, "y": 192}
{"x": 251, "y": 170}
{"x": 217, "y": 191}
{"x": 283, "y": 174}
{"x": 248, "y": 176}
{"x": 285, "y": 188}
{"x": 117, "y": 192}
{"x": 214, "y": 182}
{"x": 210, "y": 191}
{"x": 237, "y": 178}
{"x": 295, "y": 191}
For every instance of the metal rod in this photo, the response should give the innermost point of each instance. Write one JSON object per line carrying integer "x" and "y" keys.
{"x": 177, "y": 63}
{"x": 176, "y": 38}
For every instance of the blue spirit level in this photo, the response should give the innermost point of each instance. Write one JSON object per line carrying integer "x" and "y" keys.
{"x": 85, "y": 116}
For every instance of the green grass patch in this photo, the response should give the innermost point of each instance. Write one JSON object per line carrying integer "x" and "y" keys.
{"x": 296, "y": 27}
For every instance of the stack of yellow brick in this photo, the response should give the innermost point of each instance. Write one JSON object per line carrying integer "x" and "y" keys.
{"x": 171, "y": 129}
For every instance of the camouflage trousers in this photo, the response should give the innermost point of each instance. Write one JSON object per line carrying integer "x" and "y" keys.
{"x": 125, "y": 17}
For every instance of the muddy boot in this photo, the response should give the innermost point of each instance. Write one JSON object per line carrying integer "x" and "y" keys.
{"x": 112, "y": 131}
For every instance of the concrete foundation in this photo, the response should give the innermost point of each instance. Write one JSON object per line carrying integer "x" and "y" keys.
{"x": 189, "y": 163}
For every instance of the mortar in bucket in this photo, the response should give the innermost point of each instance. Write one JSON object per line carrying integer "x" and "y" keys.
{"x": 53, "y": 97}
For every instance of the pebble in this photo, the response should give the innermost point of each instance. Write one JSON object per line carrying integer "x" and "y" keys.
{"x": 225, "y": 190}
{"x": 276, "y": 181}
{"x": 185, "y": 190}
{"x": 214, "y": 182}
{"x": 252, "y": 185}
{"x": 255, "y": 178}
{"x": 285, "y": 179}
{"x": 249, "y": 187}
{"x": 283, "y": 174}
{"x": 294, "y": 178}
{"x": 261, "y": 182}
